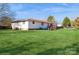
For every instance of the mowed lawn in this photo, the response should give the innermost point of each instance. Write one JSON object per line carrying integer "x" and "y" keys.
{"x": 38, "y": 42}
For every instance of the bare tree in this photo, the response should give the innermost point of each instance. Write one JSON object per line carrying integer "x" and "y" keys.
{"x": 6, "y": 15}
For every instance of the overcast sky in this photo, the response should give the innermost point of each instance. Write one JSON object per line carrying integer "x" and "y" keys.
{"x": 43, "y": 10}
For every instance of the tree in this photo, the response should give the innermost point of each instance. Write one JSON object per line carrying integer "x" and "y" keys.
{"x": 66, "y": 22}
{"x": 6, "y": 21}
{"x": 6, "y": 15}
{"x": 73, "y": 23}
{"x": 50, "y": 19}
{"x": 76, "y": 22}
{"x": 52, "y": 23}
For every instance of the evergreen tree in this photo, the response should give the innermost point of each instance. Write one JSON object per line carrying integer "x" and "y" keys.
{"x": 66, "y": 22}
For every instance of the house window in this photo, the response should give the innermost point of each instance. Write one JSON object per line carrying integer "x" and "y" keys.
{"x": 42, "y": 23}
{"x": 23, "y": 22}
{"x": 33, "y": 22}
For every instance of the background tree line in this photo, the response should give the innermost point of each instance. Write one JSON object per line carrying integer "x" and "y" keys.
{"x": 67, "y": 23}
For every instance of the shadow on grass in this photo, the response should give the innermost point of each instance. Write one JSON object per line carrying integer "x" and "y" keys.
{"x": 69, "y": 50}
{"x": 16, "y": 50}
{"x": 53, "y": 51}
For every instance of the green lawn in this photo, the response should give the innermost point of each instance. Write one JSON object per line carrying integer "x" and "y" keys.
{"x": 38, "y": 42}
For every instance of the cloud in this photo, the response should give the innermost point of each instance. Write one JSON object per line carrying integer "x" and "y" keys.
{"x": 44, "y": 10}
{"x": 65, "y": 4}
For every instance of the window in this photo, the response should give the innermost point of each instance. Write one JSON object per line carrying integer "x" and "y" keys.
{"x": 33, "y": 22}
{"x": 42, "y": 23}
{"x": 23, "y": 22}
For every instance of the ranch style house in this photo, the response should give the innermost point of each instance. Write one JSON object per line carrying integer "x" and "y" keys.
{"x": 31, "y": 24}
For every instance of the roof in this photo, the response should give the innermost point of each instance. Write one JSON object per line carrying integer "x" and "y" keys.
{"x": 23, "y": 20}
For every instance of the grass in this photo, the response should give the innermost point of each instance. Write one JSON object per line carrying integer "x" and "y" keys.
{"x": 39, "y": 42}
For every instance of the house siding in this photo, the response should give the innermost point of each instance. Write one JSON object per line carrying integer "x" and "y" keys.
{"x": 20, "y": 25}
{"x": 30, "y": 24}
{"x": 37, "y": 25}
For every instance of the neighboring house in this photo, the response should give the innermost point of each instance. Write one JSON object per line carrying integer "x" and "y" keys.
{"x": 59, "y": 26}
{"x": 3, "y": 26}
{"x": 29, "y": 24}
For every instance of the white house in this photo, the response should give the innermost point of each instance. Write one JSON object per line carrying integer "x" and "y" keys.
{"x": 29, "y": 24}
{"x": 59, "y": 25}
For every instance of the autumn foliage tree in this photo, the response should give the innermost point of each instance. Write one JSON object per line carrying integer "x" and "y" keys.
{"x": 76, "y": 22}
{"x": 72, "y": 23}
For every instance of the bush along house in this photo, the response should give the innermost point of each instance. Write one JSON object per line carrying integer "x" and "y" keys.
{"x": 32, "y": 24}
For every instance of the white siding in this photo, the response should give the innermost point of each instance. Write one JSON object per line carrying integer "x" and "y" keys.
{"x": 20, "y": 25}
{"x": 24, "y": 26}
{"x": 29, "y": 25}
{"x": 37, "y": 25}
{"x": 44, "y": 25}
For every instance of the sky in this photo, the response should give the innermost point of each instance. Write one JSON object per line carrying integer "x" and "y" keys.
{"x": 42, "y": 10}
